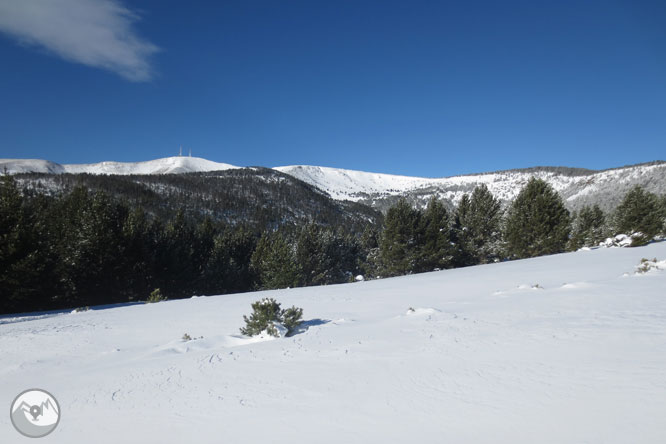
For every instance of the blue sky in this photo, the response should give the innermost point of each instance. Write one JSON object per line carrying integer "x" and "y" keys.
{"x": 429, "y": 88}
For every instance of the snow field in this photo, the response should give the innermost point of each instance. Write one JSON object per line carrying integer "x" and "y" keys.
{"x": 562, "y": 348}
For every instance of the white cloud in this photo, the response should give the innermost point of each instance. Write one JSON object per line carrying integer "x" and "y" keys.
{"x": 96, "y": 33}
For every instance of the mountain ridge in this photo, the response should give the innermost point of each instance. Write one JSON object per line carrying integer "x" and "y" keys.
{"x": 578, "y": 186}
{"x": 17, "y": 166}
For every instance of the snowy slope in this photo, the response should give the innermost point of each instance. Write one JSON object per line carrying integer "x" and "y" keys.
{"x": 486, "y": 356}
{"x": 578, "y": 188}
{"x": 168, "y": 165}
{"x": 365, "y": 187}
{"x": 17, "y": 166}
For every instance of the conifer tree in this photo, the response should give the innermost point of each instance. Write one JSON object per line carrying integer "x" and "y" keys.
{"x": 478, "y": 227}
{"x": 461, "y": 237}
{"x": 275, "y": 263}
{"x": 240, "y": 244}
{"x": 399, "y": 246}
{"x": 662, "y": 206}
{"x": 587, "y": 228}
{"x": 537, "y": 222}
{"x": 309, "y": 254}
{"x": 324, "y": 256}
{"x": 639, "y": 212}
{"x": 266, "y": 313}
{"x": 139, "y": 255}
{"x": 434, "y": 238}
{"x": 175, "y": 259}
{"x": 23, "y": 263}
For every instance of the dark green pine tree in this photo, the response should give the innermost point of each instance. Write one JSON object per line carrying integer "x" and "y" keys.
{"x": 341, "y": 257}
{"x": 537, "y": 222}
{"x": 326, "y": 257}
{"x": 399, "y": 245}
{"x": 176, "y": 258}
{"x": 461, "y": 237}
{"x": 370, "y": 260}
{"x": 435, "y": 249}
{"x": 662, "y": 209}
{"x": 239, "y": 245}
{"x": 216, "y": 275}
{"x": 275, "y": 263}
{"x": 89, "y": 233}
{"x": 25, "y": 276}
{"x": 639, "y": 211}
{"x": 204, "y": 238}
{"x": 588, "y": 227}
{"x": 139, "y": 238}
{"x": 309, "y": 254}
{"x": 478, "y": 227}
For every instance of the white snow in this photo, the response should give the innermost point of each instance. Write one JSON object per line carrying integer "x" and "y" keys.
{"x": 356, "y": 185}
{"x": 15, "y": 166}
{"x": 620, "y": 240}
{"x": 344, "y": 184}
{"x": 482, "y": 357}
{"x": 168, "y": 165}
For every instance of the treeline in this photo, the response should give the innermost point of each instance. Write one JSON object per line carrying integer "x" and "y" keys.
{"x": 258, "y": 198}
{"x": 479, "y": 230}
{"x": 85, "y": 248}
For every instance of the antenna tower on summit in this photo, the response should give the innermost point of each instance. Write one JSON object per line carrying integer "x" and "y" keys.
{"x": 180, "y": 153}
{"x": 190, "y": 152}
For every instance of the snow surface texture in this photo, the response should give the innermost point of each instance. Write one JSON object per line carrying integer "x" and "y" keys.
{"x": 569, "y": 348}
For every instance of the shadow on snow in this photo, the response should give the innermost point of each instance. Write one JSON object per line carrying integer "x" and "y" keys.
{"x": 305, "y": 326}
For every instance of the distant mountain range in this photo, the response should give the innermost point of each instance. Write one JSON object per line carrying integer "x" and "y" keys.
{"x": 577, "y": 186}
{"x": 168, "y": 165}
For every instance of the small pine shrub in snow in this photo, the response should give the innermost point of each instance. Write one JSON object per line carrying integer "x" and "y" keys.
{"x": 647, "y": 265}
{"x": 186, "y": 337}
{"x": 269, "y": 317}
{"x": 292, "y": 318}
{"x": 155, "y": 296}
{"x": 81, "y": 309}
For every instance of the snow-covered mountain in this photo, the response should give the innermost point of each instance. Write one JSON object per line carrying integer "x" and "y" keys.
{"x": 168, "y": 165}
{"x": 568, "y": 348}
{"x": 577, "y": 186}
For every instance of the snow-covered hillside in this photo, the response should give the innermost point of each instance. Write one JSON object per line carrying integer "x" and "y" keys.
{"x": 577, "y": 189}
{"x": 168, "y": 165}
{"x": 558, "y": 349}
{"x": 17, "y": 166}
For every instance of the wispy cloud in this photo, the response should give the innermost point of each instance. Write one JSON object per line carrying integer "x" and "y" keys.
{"x": 98, "y": 33}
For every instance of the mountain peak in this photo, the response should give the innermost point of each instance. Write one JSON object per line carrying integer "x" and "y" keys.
{"x": 166, "y": 165}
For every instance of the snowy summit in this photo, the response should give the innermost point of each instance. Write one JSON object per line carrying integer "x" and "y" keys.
{"x": 167, "y": 165}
